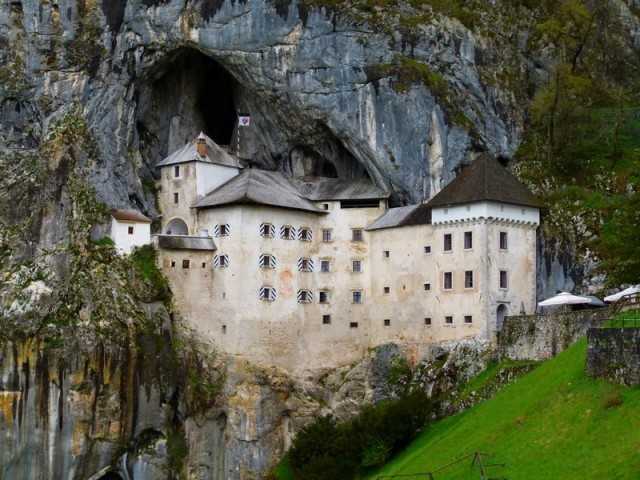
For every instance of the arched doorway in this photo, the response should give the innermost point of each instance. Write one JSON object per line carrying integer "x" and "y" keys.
{"x": 501, "y": 312}
{"x": 176, "y": 226}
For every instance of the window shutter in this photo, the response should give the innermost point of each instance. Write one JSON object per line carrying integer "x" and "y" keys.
{"x": 310, "y": 263}
{"x": 309, "y": 296}
{"x": 301, "y": 294}
{"x": 228, "y": 229}
{"x": 260, "y": 261}
{"x": 293, "y": 233}
{"x": 261, "y": 295}
{"x": 272, "y": 294}
{"x": 216, "y": 261}
{"x": 300, "y": 261}
{"x": 282, "y": 231}
{"x": 272, "y": 230}
{"x": 309, "y": 235}
{"x": 272, "y": 261}
{"x": 216, "y": 230}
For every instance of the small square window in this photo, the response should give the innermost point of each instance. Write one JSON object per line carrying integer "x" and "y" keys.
{"x": 468, "y": 279}
{"x": 266, "y": 230}
{"x": 503, "y": 241}
{"x": 325, "y": 206}
{"x": 130, "y": 230}
{"x": 204, "y": 265}
{"x": 267, "y": 261}
{"x": 353, "y": 325}
{"x": 447, "y": 281}
{"x": 325, "y": 265}
{"x": 305, "y": 235}
{"x": 326, "y": 319}
{"x": 447, "y": 242}
{"x": 504, "y": 281}
{"x": 387, "y": 322}
{"x": 448, "y": 319}
{"x": 323, "y": 296}
{"x": 468, "y": 319}
{"x": 385, "y": 254}
{"x": 356, "y": 235}
{"x": 186, "y": 263}
{"x": 286, "y": 233}
{"x": 427, "y": 287}
{"x": 176, "y": 197}
{"x": 356, "y": 296}
{"x": 427, "y": 320}
{"x": 468, "y": 240}
{"x": 173, "y": 263}
{"x": 221, "y": 261}
{"x": 427, "y": 249}
{"x": 224, "y": 230}
{"x": 386, "y": 290}
{"x": 305, "y": 265}
{"x": 326, "y": 235}
{"x": 357, "y": 266}
{"x": 176, "y": 171}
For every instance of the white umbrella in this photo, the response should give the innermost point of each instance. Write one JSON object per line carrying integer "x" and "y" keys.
{"x": 617, "y": 296}
{"x": 564, "y": 298}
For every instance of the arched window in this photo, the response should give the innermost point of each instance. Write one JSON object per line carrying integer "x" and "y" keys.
{"x": 501, "y": 312}
{"x": 176, "y": 226}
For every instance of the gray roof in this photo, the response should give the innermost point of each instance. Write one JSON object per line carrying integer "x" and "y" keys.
{"x": 189, "y": 153}
{"x": 183, "y": 242}
{"x": 258, "y": 187}
{"x": 130, "y": 216}
{"x": 402, "y": 217}
{"x": 484, "y": 180}
{"x": 320, "y": 188}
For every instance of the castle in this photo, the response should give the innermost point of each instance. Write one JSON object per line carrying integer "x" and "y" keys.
{"x": 311, "y": 272}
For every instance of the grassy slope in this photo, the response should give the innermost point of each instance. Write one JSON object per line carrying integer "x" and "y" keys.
{"x": 553, "y": 423}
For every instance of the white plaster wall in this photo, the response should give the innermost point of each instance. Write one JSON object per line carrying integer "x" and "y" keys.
{"x": 210, "y": 176}
{"x": 124, "y": 241}
{"x": 493, "y": 210}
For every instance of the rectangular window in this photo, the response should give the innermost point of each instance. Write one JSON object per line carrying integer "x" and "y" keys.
{"x": 130, "y": 230}
{"x": 305, "y": 235}
{"x": 173, "y": 263}
{"x": 267, "y": 261}
{"x": 186, "y": 263}
{"x": 356, "y": 235}
{"x": 326, "y": 206}
{"x": 387, "y": 322}
{"x": 326, "y": 319}
{"x": 325, "y": 265}
{"x": 221, "y": 261}
{"x": 386, "y": 290}
{"x": 305, "y": 265}
{"x": 176, "y": 171}
{"x": 427, "y": 320}
{"x": 504, "y": 279}
{"x": 224, "y": 230}
{"x": 448, "y": 319}
{"x": 447, "y": 242}
{"x": 447, "y": 281}
{"x": 224, "y": 329}
{"x": 468, "y": 279}
{"x": 385, "y": 254}
{"x": 176, "y": 196}
{"x": 468, "y": 240}
{"x": 357, "y": 266}
{"x": 204, "y": 265}
{"x": 427, "y": 287}
{"x": 427, "y": 249}
{"x": 503, "y": 241}
{"x": 356, "y": 297}
{"x": 326, "y": 236}
{"x": 323, "y": 296}
{"x": 267, "y": 230}
{"x": 353, "y": 325}
{"x": 287, "y": 232}
{"x": 468, "y": 319}
{"x": 305, "y": 296}
{"x": 267, "y": 294}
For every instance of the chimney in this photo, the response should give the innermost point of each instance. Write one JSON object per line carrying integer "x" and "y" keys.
{"x": 202, "y": 145}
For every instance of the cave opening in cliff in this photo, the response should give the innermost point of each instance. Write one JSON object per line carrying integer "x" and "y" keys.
{"x": 186, "y": 93}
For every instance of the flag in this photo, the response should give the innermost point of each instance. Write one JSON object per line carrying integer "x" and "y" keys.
{"x": 244, "y": 120}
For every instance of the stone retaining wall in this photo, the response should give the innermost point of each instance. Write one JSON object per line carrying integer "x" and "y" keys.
{"x": 542, "y": 336}
{"x": 614, "y": 354}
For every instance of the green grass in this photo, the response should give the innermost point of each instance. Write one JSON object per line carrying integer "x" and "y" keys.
{"x": 553, "y": 423}
{"x": 629, "y": 318}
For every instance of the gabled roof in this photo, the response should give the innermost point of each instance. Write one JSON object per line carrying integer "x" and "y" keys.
{"x": 321, "y": 188}
{"x": 258, "y": 187}
{"x": 189, "y": 153}
{"x": 484, "y": 180}
{"x": 402, "y": 217}
{"x": 130, "y": 216}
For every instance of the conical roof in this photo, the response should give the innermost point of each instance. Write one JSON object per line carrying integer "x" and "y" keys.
{"x": 189, "y": 153}
{"x": 485, "y": 180}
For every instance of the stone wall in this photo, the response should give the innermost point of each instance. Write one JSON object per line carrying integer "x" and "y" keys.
{"x": 542, "y": 336}
{"x": 614, "y": 354}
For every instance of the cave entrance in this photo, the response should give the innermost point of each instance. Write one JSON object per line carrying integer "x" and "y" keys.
{"x": 186, "y": 93}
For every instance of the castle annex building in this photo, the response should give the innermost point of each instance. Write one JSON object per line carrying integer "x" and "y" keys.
{"x": 311, "y": 272}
